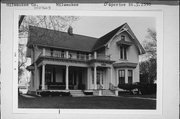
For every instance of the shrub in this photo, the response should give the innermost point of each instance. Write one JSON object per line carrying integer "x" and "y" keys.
{"x": 45, "y": 93}
{"x": 88, "y": 93}
{"x": 147, "y": 88}
{"x": 143, "y": 88}
{"x": 128, "y": 87}
{"x": 55, "y": 93}
{"x": 65, "y": 94}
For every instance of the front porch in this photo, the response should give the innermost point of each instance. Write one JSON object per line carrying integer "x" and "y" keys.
{"x": 59, "y": 77}
{"x": 55, "y": 74}
{"x": 65, "y": 77}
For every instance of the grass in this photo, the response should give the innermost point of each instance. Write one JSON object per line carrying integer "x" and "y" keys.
{"x": 94, "y": 102}
{"x": 153, "y": 96}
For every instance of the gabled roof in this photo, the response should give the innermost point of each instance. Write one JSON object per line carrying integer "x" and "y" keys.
{"x": 104, "y": 39}
{"x": 57, "y": 39}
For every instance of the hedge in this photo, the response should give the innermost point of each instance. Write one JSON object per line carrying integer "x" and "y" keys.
{"x": 143, "y": 88}
{"x": 54, "y": 93}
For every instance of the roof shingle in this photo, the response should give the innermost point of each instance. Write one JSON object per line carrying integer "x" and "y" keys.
{"x": 58, "y": 39}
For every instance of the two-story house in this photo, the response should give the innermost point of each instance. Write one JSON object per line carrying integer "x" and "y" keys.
{"x": 67, "y": 61}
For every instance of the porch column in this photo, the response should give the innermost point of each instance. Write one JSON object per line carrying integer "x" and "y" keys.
{"x": 67, "y": 54}
{"x": 89, "y": 56}
{"x": 126, "y": 76}
{"x": 95, "y": 55}
{"x": 111, "y": 73}
{"x": 67, "y": 77}
{"x": 95, "y": 78}
{"x": 88, "y": 77}
{"x": 44, "y": 52}
{"x": 43, "y": 77}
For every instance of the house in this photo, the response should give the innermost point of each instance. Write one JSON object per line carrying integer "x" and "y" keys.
{"x": 67, "y": 61}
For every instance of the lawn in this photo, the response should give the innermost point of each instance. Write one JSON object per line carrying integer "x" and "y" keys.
{"x": 94, "y": 102}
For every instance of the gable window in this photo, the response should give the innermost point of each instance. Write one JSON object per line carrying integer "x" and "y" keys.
{"x": 130, "y": 76}
{"x": 123, "y": 52}
{"x": 121, "y": 76}
{"x": 122, "y": 37}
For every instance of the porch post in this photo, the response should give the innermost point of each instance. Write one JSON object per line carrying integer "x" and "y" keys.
{"x": 43, "y": 77}
{"x": 111, "y": 74}
{"x": 95, "y": 78}
{"x": 95, "y": 55}
{"x": 44, "y": 52}
{"x": 88, "y": 77}
{"x": 67, "y": 54}
{"x": 67, "y": 77}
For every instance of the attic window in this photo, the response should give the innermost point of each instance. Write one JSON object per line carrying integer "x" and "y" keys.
{"x": 123, "y": 52}
{"x": 123, "y": 37}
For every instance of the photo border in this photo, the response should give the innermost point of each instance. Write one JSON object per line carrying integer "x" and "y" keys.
{"x": 158, "y": 14}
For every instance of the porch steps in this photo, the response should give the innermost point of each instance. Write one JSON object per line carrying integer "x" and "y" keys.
{"x": 107, "y": 93}
{"x": 77, "y": 93}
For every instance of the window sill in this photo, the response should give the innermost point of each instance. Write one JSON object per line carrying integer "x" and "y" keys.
{"x": 123, "y": 59}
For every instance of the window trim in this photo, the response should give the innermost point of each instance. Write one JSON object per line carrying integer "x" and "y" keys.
{"x": 122, "y": 70}
{"x": 128, "y": 76}
{"x": 123, "y": 53}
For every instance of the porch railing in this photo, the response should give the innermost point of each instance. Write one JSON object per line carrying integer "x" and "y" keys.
{"x": 103, "y": 57}
{"x": 112, "y": 87}
{"x": 75, "y": 56}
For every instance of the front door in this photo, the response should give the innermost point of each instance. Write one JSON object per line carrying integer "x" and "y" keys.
{"x": 100, "y": 79}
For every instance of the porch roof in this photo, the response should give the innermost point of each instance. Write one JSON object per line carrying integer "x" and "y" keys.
{"x": 125, "y": 65}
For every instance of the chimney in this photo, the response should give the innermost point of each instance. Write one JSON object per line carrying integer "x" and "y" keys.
{"x": 70, "y": 30}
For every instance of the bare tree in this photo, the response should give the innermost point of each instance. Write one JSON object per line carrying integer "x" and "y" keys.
{"x": 58, "y": 23}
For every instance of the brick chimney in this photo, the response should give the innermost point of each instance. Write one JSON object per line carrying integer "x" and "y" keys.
{"x": 70, "y": 30}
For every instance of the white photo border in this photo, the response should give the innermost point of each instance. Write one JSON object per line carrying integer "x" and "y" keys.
{"x": 157, "y": 14}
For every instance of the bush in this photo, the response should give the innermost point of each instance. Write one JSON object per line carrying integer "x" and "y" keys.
{"x": 147, "y": 88}
{"x": 128, "y": 87}
{"x": 45, "y": 93}
{"x": 48, "y": 93}
{"x": 143, "y": 88}
{"x": 55, "y": 93}
{"x": 65, "y": 94}
{"x": 88, "y": 93}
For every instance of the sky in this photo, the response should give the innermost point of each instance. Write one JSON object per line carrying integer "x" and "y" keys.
{"x": 99, "y": 26}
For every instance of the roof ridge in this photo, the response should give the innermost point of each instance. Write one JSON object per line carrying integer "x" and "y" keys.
{"x": 62, "y": 31}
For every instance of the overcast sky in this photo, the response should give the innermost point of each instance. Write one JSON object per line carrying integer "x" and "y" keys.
{"x": 99, "y": 26}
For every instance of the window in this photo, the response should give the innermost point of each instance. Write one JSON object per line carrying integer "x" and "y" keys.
{"x": 123, "y": 52}
{"x": 78, "y": 55}
{"x": 122, "y": 37}
{"x": 121, "y": 76}
{"x": 51, "y": 50}
{"x": 130, "y": 76}
{"x": 62, "y": 54}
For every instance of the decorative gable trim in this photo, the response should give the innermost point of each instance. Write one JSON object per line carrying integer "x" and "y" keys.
{"x": 128, "y": 30}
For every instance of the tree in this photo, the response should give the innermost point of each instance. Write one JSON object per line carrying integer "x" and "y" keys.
{"x": 150, "y": 44}
{"x": 148, "y": 67}
{"x": 60, "y": 23}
